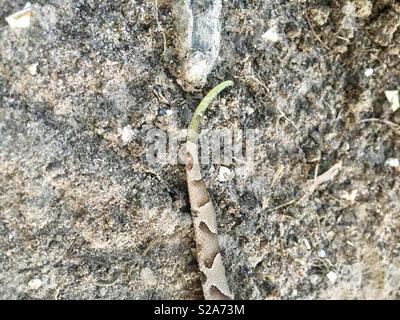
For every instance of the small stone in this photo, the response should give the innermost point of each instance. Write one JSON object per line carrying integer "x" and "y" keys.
{"x": 393, "y": 98}
{"x": 148, "y": 278}
{"x": 32, "y": 69}
{"x": 35, "y": 284}
{"x": 255, "y": 260}
{"x": 332, "y": 277}
{"x": 21, "y": 19}
{"x": 307, "y": 244}
{"x": 169, "y": 112}
{"x": 271, "y": 35}
{"x": 127, "y": 134}
{"x": 321, "y": 253}
{"x": 392, "y": 162}
{"x": 224, "y": 174}
{"x": 368, "y": 72}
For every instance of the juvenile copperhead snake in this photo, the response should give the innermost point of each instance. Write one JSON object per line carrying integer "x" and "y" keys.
{"x": 214, "y": 282}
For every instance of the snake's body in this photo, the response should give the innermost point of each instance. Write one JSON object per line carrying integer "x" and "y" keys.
{"x": 214, "y": 282}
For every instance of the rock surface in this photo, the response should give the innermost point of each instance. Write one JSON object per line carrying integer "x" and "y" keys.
{"x": 84, "y": 216}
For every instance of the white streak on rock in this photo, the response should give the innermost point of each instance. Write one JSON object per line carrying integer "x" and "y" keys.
{"x": 198, "y": 31}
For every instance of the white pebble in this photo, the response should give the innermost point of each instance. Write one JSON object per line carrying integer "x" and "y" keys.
{"x": 21, "y": 19}
{"x": 272, "y": 35}
{"x": 321, "y": 253}
{"x": 332, "y": 276}
{"x": 126, "y": 134}
{"x": 393, "y": 98}
{"x": 35, "y": 284}
{"x": 368, "y": 72}
{"x": 392, "y": 162}
{"x": 224, "y": 174}
{"x": 32, "y": 69}
{"x": 307, "y": 244}
{"x": 169, "y": 112}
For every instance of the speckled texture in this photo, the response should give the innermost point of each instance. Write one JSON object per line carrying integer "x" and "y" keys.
{"x": 84, "y": 216}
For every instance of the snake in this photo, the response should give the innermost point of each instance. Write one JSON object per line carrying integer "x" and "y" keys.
{"x": 213, "y": 277}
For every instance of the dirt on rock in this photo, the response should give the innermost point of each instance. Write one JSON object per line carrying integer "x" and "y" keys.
{"x": 83, "y": 215}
